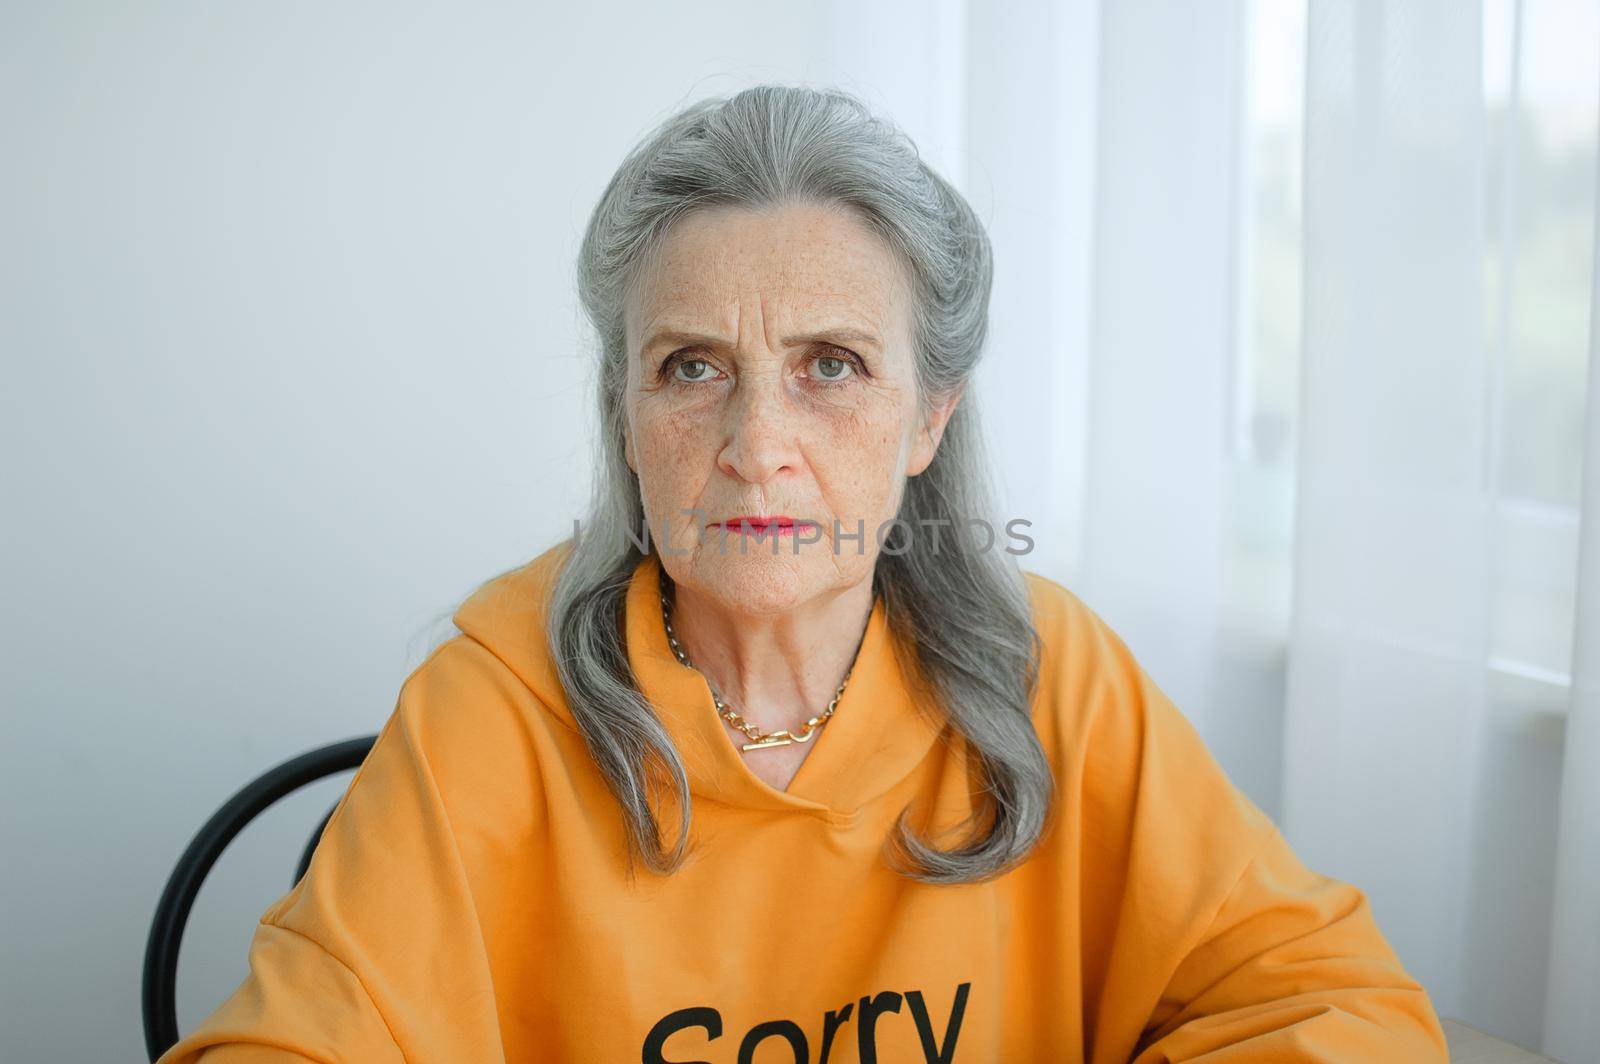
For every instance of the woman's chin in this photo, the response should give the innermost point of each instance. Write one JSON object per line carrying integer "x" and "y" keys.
{"x": 759, "y": 584}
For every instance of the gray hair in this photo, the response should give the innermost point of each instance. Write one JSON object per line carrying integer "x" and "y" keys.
{"x": 962, "y": 607}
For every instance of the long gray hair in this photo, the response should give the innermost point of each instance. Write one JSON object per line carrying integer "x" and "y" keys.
{"x": 959, "y": 608}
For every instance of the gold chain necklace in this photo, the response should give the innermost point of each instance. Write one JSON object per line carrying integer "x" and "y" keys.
{"x": 758, "y": 740}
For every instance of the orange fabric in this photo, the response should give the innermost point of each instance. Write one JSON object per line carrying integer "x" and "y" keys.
{"x": 467, "y": 901}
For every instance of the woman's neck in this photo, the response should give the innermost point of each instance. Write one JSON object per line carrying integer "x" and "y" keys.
{"x": 776, "y": 670}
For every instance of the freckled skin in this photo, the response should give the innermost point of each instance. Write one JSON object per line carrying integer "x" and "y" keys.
{"x": 745, "y": 422}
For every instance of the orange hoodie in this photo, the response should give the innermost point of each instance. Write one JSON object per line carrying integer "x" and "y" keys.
{"x": 467, "y": 902}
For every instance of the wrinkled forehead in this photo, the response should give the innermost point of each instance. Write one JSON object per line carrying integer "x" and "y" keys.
{"x": 801, "y": 264}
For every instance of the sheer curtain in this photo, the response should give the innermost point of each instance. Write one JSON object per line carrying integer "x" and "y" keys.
{"x": 1385, "y": 705}
{"x": 1572, "y": 1021}
{"x": 1293, "y": 331}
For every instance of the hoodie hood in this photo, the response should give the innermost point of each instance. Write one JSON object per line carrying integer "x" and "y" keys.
{"x": 880, "y": 731}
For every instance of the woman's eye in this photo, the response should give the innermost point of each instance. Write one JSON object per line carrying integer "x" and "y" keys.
{"x": 832, "y": 368}
{"x": 700, "y": 372}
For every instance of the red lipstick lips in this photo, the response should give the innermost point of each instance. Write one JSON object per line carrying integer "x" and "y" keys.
{"x": 747, "y": 524}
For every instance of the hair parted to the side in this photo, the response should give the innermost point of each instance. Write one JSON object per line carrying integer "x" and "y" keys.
{"x": 960, "y": 610}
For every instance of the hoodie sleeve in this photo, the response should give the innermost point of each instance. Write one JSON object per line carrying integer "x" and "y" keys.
{"x": 1292, "y": 969}
{"x": 1212, "y": 940}
{"x": 376, "y": 954}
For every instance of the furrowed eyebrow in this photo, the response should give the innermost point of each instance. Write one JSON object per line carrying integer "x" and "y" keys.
{"x": 844, "y": 335}
{"x": 679, "y": 338}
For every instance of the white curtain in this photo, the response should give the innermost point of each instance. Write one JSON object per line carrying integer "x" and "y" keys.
{"x": 1572, "y": 1018}
{"x": 1292, "y": 315}
{"x": 1388, "y": 648}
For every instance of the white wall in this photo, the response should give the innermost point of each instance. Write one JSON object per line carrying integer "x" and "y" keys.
{"x": 292, "y": 362}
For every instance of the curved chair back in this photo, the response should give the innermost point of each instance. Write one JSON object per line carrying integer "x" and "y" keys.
{"x": 172, "y": 912}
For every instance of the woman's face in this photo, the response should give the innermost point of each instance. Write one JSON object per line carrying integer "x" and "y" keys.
{"x": 770, "y": 374}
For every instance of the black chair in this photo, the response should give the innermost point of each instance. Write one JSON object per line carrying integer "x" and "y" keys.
{"x": 172, "y": 912}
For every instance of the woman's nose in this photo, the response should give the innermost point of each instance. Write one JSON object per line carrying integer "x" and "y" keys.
{"x": 760, "y": 433}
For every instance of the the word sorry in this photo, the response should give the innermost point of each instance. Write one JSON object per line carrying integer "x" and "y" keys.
{"x": 936, "y": 1048}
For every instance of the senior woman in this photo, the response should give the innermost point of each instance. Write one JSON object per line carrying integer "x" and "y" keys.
{"x": 893, "y": 798}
